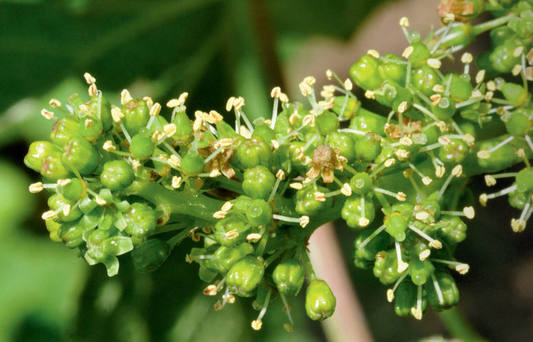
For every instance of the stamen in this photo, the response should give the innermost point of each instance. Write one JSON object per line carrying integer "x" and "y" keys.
{"x": 371, "y": 236}
{"x": 402, "y": 266}
{"x": 432, "y": 242}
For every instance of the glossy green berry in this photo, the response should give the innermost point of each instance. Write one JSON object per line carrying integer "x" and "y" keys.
{"x": 368, "y": 147}
{"x": 117, "y": 175}
{"x": 252, "y": 152}
{"x": 142, "y": 146}
{"x": 245, "y": 275}
{"x": 386, "y": 267}
{"x": 90, "y": 128}
{"x": 365, "y": 73}
{"x": 523, "y": 25}
{"x": 502, "y": 58}
{"x": 184, "y": 130}
{"x": 79, "y": 155}
{"x": 225, "y": 257}
{"x": 396, "y": 225}
{"x": 368, "y": 122}
{"x": 140, "y": 219}
{"x": 454, "y": 231}
{"x": 71, "y": 234}
{"x": 406, "y": 298}
{"x": 259, "y": 213}
{"x": 420, "y": 54}
{"x": 358, "y": 211}
{"x": 241, "y": 204}
{"x": 192, "y": 163}
{"x": 37, "y": 151}
{"x": 258, "y": 182}
{"x": 149, "y": 255}
{"x": 515, "y": 93}
{"x": 53, "y": 230}
{"x": 424, "y": 79}
{"x": 63, "y": 130}
{"x": 524, "y": 180}
{"x": 53, "y": 169}
{"x": 58, "y": 202}
{"x": 460, "y": 87}
{"x": 231, "y": 230}
{"x": 393, "y": 95}
{"x": 454, "y": 152}
{"x": 101, "y": 110}
{"x": 344, "y": 144}
{"x": 327, "y": 122}
{"x": 361, "y": 183}
{"x": 289, "y": 277}
{"x": 136, "y": 115}
{"x": 307, "y": 203}
{"x": 420, "y": 271}
{"x": 518, "y": 199}
{"x": 519, "y": 123}
{"x": 499, "y": 35}
{"x": 445, "y": 109}
{"x": 392, "y": 68}
{"x": 364, "y": 256}
{"x": 320, "y": 302}
{"x": 447, "y": 295}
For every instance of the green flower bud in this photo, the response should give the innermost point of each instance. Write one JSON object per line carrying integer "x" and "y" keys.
{"x": 361, "y": 183}
{"x": 245, "y": 275}
{"x": 52, "y": 167}
{"x": 184, "y": 130}
{"x": 358, "y": 211}
{"x": 449, "y": 294}
{"x": 368, "y": 147}
{"x": 320, "y": 301}
{"x": 327, "y": 122}
{"x": 252, "y": 152}
{"x": 63, "y": 130}
{"x": 71, "y": 234}
{"x": 503, "y": 58}
{"x": 366, "y": 255}
{"x": 365, "y": 73}
{"x": 289, "y": 277}
{"x": 345, "y": 145}
{"x": 140, "y": 220}
{"x": 420, "y": 271}
{"x": 53, "y": 230}
{"x": 37, "y": 152}
{"x": 524, "y": 180}
{"x": 136, "y": 115}
{"x": 80, "y": 155}
{"x": 393, "y": 68}
{"x": 460, "y": 35}
{"x": 519, "y": 123}
{"x": 454, "y": 232}
{"x": 117, "y": 175}
{"x": 259, "y": 213}
{"x": 231, "y": 230}
{"x": 192, "y": 163}
{"x": 515, "y": 93}
{"x": 406, "y": 299}
{"x": 396, "y": 225}
{"x": 424, "y": 79}
{"x": 455, "y": 152}
{"x": 258, "y": 182}
{"x": 307, "y": 203}
{"x": 225, "y": 257}
{"x": 101, "y": 110}
{"x": 90, "y": 128}
{"x": 141, "y": 146}
{"x": 150, "y": 255}
{"x": 420, "y": 54}
{"x": 445, "y": 109}
{"x": 499, "y": 159}
{"x": 71, "y": 213}
{"x": 386, "y": 267}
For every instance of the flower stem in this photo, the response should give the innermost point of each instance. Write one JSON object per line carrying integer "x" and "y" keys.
{"x": 458, "y": 326}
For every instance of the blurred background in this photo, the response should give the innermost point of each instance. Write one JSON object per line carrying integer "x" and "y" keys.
{"x": 213, "y": 49}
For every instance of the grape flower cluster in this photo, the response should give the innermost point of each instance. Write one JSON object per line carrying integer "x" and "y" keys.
{"x": 127, "y": 179}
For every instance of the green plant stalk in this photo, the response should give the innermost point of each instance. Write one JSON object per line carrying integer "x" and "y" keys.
{"x": 458, "y": 326}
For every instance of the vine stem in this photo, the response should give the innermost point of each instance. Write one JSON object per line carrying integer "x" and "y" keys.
{"x": 458, "y": 327}
{"x": 348, "y": 323}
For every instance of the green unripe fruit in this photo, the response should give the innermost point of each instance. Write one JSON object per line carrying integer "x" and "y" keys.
{"x": 361, "y": 183}
{"x": 396, "y": 225}
{"x": 519, "y": 123}
{"x": 245, "y": 275}
{"x": 393, "y": 68}
{"x": 149, "y": 255}
{"x": 53, "y": 169}
{"x": 225, "y": 257}
{"x": 192, "y": 163}
{"x": 420, "y": 54}
{"x": 140, "y": 220}
{"x": 101, "y": 110}
{"x": 344, "y": 143}
{"x": 136, "y": 115}
{"x": 524, "y": 180}
{"x": 90, "y": 128}
{"x": 515, "y": 93}
{"x": 406, "y": 299}
{"x": 289, "y": 277}
{"x": 445, "y": 108}
{"x": 79, "y": 155}
{"x": 449, "y": 293}
{"x": 141, "y": 146}
{"x": 117, "y": 175}
{"x": 184, "y": 130}
{"x": 420, "y": 271}
{"x": 368, "y": 252}
{"x": 460, "y": 87}
{"x": 454, "y": 232}
{"x": 358, "y": 211}
{"x": 37, "y": 151}
{"x": 231, "y": 230}
{"x": 71, "y": 234}
{"x": 320, "y": 301}
{"x": 258, "y": 182}
{"x": 252, "y": 152}
{"x": 424, "y": 79}
{"x": 53, "y": 229}
{"x": 386, "y": 267}
{"x": 259, "y": 213}
{"x": 503, "y": 59}
{"x": 57, "y": 201}
{"x": 368, "y": 147}
{"x": 307, "y": 204}
{"x": 327, "y": 122}
{"x": 454, "y": 152}
{"x": 63, "y": 130}
{"x": 365, "y": 73}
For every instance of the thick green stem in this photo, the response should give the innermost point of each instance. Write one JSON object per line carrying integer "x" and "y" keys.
{"x": 459, "y": 327}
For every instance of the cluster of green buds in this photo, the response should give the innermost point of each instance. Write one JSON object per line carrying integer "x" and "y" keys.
{"x": 130, "y": 179}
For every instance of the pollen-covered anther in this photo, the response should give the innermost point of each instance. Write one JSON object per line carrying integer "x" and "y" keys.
{"x": 224, "y": 142}
{"x": 220, "y": 214}
{"x": 469, "y": 212}
{"x": 529, "y": 73}
{"x": 275, "y": 144}
{"x": 100, "y": 201}
{"x": 439, "y": 171}
{"x": 232, "y": 234}
{"x": 49, "y": 215}
{"x": 320, "y": 196}
{"x": 363, "y": 222}
{"x": 483, "y": 154}
{"x": 116, "y": 114}
{"x": 169, "y": 129}
{"x": 66, "y": 210}
{"x": 427, "y": 180}
{"x": 438, "y": 88}
{"x": 64, "y": 182}
{"x": 346, "y": 190}
{"x": 521, "y": 153}
{"x": 369, "y": 94}
{"x": 480, "y": 76}
{"x": 48, "y": 115}
{"x": 444, "y": 141}
{"x": 89, "y": 79}
{"x": 404, "y": 22}
{"x": 402, "y": 266}
{"x": 518, "y": 225}
{"x": 176, "y": 182}
{"x": 402, "y": 107}
{"x": 327, "y": 105}
{"x": 304, "y": 221}
{"x": 407, "y": 173}
{"x": 435, "y": 99}
{"x": 457, "y": 171}
{"x": 389, "y": 162}
{"x": 390, "y": 295}
{"x": 149, "y": 101}
{"x": 402, "y": 154}
{"x": 435, "y": 244}
{"x": 401, "y": 196}
{"x": 373, "y": 53}
{"x": 125, "y": 97}
{"x": 294, "y": 118}
{"x": 296, "y": 186}
{"x": 283, "y": 98}
{"x": 210, "y": 290}
{"x": 229, "y": 298}
{"x": 434, "y": 63}
{"x": 424, "y": 254}
{"x": 348, "y": 85}
{"x": 305, "y": 89}
{"x": 136, "y": 164}
{"x": 462, "y": 268}
{"x": 280, "y": 174}
{"x": 422, "y": 215}
{"x": 405, "y": 140}
{"x": 156, "y": 136}
{"x": 407, "y": 52}
{"x": 469, "y": 139}
{"x": 239, "y": 103}
{"x": 517, "y": 69}
{"x": 92, "y": 90}
{"x": 155, "y": 109}
{"x": 36, "y": 187}
{"x": 309, "y": 120}
{"x": 490, "y": 180}
{"x": 257, "y": 324}
{"x": 329, "y": 74}
{"x": 253, "y": 237}
{"x": 54, "y": 103}
{"x": 174, "y": 162}
{"x": 467, "y": 58}
{"x": 417, "y": 313}
{"x": 227, "y": 206}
